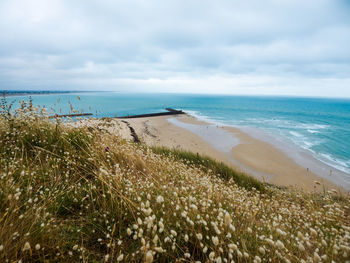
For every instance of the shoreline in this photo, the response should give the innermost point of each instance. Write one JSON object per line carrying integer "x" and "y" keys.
{"x": 233, "y": 146}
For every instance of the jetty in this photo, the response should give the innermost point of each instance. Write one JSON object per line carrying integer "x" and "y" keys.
{"x": 169, "y": 111}
{"x": 70, "y": 115}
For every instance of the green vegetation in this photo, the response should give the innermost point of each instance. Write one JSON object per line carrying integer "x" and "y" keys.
{"x": 207, "y": 164}
{"x": 82, "y": 194}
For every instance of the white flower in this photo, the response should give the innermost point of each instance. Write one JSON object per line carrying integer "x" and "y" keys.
{"x": 37, "y": 246}
{"x": 279, "y": 244}
{"x": 232, "y": 246}
{"x": 128, "y": 231}
{"x": 300, "y": 235}
{"x": 186, "y": 238}
{"x": 1, "y": 247}
{"x": 160, "y": 199}
{"x": 155, "y": 239}
{"x": 313, "y": 232}
{"x": 227, "y": 219}
{"x": 280, "y": 232}
{"x": 269, "y": 241}
{"x": 212, "y": 255}
{"x": 262, "y": 250}
{"x": 75, "y": 247}
{"x": 120, "y": 258}
{"x": 159, "y": 249}
{"x": 187, "y": 255}
{"x": 149, "y": 257}
{"x": 199, "y": 236}
{"x": 215, "y": 240}
{"x": 218, "y": 260}
{"x": 316, "y": 257}
{"x": 301, "y": 247}
{"x": 26, "y": 246}
{"x": 106, "y": 257}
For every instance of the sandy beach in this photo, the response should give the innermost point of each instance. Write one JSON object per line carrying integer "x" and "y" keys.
{"x": 232, "y": 146}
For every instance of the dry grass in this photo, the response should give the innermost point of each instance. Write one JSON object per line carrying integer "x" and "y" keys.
{"x": 65, "y": 197}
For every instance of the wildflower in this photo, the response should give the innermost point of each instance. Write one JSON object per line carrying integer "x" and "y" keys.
{"x": 155, "y": 239}
{"x": 205, "y": 249}
{"x": 1, "y": 248}
{"x": 148, "y": 211}
{"x": 26, "y": 246}
{"x": 106, "y": 257}
{"x": 186, "y": 238}
{"x": 301, "y": 247}
{"x": 269, "y": 241}
{"x": 232, "y": 246}
{"x": 215, "y": 240}
{"x": 279, "y": 244}
{"x": 218, "y": 260}
{"x": 149, "y": 257}
{"x": 227, "y": 219}
{"x": 300, "y": 235}
{"x": 160, "y": 199}
{"x": 262, "y": 250}
{"x": 199, "y": 236}
{"x": 37, "y": 246}
{"x": 257, "y": 259}
{"x": 313, "y": 232}
{"x": 316, "y": 257}
{"x": 187, "y": 255}
{"x": 75, "y": 247}
{"x": 159, "y": 249}
{"x": 280, "y": 232}
{"x": 212, "y": 255}
{"x": 128, "y": 231}
{"x": 120, "y": 258}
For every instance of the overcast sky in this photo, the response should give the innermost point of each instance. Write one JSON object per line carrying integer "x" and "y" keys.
{"x": 283, "y": 47}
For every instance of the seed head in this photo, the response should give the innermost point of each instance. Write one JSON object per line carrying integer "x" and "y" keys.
{"x": 149, "y": 257}
{"x": 215, "y": 240}
{"x": 26, "y": 246}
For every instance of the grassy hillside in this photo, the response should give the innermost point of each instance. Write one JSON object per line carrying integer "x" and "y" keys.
{"x": 82, "y": 194}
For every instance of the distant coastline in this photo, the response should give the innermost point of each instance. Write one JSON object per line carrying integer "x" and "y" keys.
{"x": 12, "y": 93}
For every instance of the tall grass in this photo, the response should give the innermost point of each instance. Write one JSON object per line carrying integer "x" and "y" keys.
{"x": 207, "y": 164}
{"x": 83, "y": 194}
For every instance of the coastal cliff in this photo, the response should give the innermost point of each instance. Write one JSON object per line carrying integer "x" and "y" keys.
{"x": 71, "y": 194}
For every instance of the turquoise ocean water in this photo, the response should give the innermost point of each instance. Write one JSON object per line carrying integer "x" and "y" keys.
{"x": 322, "y": 126}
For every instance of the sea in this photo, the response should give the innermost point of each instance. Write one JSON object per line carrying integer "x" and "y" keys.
{"x": 320, "y": 126}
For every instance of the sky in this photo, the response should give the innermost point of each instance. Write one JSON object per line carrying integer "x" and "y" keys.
{"x": 253, "y": 47}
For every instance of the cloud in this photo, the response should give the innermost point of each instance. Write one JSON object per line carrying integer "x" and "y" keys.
{"x": 197, "y": 46}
